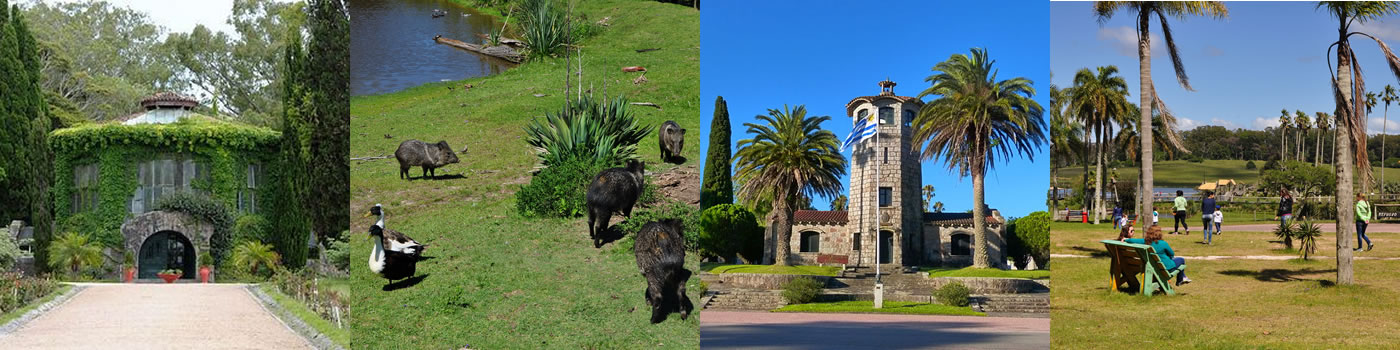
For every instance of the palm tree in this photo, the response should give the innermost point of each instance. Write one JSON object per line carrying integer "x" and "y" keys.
{"x": 253, "y": 254}
{"x": 839, "y": 203}
{"x": 1301, "y": 121}
{"x": 787, "y": 157}
{"x": 928, "y": 196}
{"x": 1147, "y": 95}
{"x": 1283, "y": 123}
{"x": 1324, "y": 122}
{"x": 1099, "y": 100}
{"x": 1351, "y": 127}
{"x": 938, "y": 207}
{"x": 74, "y": 251}
{"x": 1388, "y": 95}
{"x": 1066, "y": 141}
{"x": 974, "y": 121}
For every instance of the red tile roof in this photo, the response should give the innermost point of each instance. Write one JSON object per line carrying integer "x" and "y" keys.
{"x": 959, "y": 219}
{"x": 820, "y": 216}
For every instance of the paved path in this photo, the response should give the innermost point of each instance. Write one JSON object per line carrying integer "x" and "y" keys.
{"x": 1326, "y": 227}
{"x": 156, "y": 316}
{"x": 765, "y": 330}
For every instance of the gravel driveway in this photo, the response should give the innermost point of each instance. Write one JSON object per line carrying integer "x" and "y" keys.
{"x": 156, "y": 316}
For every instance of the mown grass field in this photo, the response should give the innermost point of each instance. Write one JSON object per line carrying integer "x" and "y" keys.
{"x": 1232, "y": 303}
{"x": 976, "y": 272}
{"x": 890, "y": 307}
{"x": 1083, "y": 239}
{"x": 497, "y": 279}
{"x": 1180, "y": 173}
{"x": 772, "y": 269}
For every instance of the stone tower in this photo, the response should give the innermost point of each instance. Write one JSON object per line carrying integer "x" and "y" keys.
{"x": 897, "y": 191}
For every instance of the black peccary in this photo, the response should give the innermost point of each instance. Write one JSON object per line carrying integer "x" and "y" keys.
{"x": 660, "y": 251}
{"x": 612, "y": 191}
{"x": 671, "y": 137}
{"x": 414, "y": 153}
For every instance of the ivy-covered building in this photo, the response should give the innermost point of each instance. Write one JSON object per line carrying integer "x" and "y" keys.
{"x": 110, "y": 177}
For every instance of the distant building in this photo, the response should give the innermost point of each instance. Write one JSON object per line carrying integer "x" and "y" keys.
{"x": 909, "y": 236}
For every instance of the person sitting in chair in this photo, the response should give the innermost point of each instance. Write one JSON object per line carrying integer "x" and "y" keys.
{"x": 1164, "y": 252}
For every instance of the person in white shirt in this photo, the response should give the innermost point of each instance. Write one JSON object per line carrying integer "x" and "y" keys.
{"x": 1154, "y": 216}
{"x": 1219, "y": 216}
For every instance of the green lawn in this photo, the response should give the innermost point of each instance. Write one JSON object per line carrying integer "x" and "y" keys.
{"x": 496, "y": 279}
{"x": 774, "y": 269}
{"x": 13, "y": 314}
{"x": 976, "y": 272}
{"x": 1232, "y": 304}
{"x": 890, "y": 307}
{"x": 340, "y": 336}
{"x": 1083, "y": 239}
{"x": 1180, "y": 173}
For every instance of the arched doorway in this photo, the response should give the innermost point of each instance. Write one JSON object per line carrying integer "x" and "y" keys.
{"x": 886, "y": 242}
{"x": 166, "y": 250}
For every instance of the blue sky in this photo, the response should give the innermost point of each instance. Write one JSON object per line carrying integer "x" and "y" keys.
{"x": 1265, "y": 57}
{"x": 761, "y": 55}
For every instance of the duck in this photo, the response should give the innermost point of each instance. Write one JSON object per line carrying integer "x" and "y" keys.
{"x": 395, "y": 255}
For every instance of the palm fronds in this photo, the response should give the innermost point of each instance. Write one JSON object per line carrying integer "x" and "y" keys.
{"x": 586, "y": 129}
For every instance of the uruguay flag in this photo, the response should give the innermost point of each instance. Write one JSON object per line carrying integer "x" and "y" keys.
{"x": 864, "y": 129}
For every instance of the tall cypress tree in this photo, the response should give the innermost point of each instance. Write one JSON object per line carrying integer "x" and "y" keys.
{"x": 718, "y": 188}
{"x": 39, "y": 157}
{"x": 288, "y": 219}
{"x": 327, "y": 84}
{"x": 14, "y": 198}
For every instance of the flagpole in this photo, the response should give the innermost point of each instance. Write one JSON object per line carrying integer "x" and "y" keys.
{"x": 879, "y": 239}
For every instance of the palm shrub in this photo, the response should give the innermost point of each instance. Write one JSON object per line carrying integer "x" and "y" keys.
{"x": 952, "y": 294}
{"x": 1307, "y": 234}
{"x": 74, "y": 251}
{"x": 801, "y": 290}
{"x": 252, "y": 255}
{"x": 1285, "y": 233}
{"x": 586, "y": 129}
{"x": 546, "y": 32}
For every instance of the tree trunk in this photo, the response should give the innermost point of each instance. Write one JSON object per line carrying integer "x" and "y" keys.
{"x": 1317, "y": 147}
{"x": 770, "y": 237}
{"x": 1343, "y": 165}
{"x": 784, "y": 230}
{"x": 980, "y": 259}
{"x": 1385, "y": 120}
{"x": 1098, "y": 180}
{"x": 1145, "y": 120}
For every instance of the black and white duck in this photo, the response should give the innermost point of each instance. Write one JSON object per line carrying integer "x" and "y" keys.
{"x": 395, "y": 255}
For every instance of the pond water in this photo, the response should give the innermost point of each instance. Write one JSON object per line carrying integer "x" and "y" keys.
{"x": 392, "y": 47}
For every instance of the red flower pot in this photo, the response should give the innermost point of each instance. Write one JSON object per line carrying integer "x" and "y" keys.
{"x": 204, "y": 272}
{"x": 169, "y": 278}
{"x": 130, "y": 275}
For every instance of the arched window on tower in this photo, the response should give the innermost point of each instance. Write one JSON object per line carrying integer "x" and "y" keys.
{"x": 811, "y": 242}
{"x": 962, "y": 244}
{"x": 908, "y": 118}
{"x": 886, "y": 115}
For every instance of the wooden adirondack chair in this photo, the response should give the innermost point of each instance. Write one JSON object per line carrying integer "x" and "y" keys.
{"x": 1129, "y": 260}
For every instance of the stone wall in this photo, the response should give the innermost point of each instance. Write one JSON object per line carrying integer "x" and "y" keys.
{"x": 136, "y": 230}
{"x": 899, "y": 170}
{"x": 759, "y": 280}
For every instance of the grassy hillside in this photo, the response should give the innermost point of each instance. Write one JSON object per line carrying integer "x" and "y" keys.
{"x": 496, "y": 279}
{"x": 1180, "y": 173}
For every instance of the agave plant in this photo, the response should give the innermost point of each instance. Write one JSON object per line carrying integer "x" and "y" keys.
{"x": 586, "y": 129}
{"x": 546, "y": 29}
{"x": 1307, "y": 234}
{"x": 1286, "y": 233}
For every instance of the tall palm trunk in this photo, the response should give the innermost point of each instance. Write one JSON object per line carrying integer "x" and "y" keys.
{"x": 1385, "y": 120}
{"x": 784, "y": 230}
{"x": 1098, "y": 178}
{"x": 1317, "y": 147}
{"x": 1145, "y": 120}
{"x": 1344, "y": 162}
{"x": 980, "y": 259}
{"x": 1282, "y": 135}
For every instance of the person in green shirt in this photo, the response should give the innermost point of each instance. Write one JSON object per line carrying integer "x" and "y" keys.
{"x": 1164, "y": 252}
{"x": 1179, "y": 206}
{"x": 1363, "y": 219}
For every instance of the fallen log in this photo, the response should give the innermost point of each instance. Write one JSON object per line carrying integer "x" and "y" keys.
{"x": 499, "y": 51}
{"x": 648, "y": 104}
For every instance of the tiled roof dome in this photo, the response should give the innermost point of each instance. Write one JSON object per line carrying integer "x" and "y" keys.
{"x": 168, "y": 100}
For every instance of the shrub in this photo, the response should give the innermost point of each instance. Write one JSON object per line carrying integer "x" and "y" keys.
{"x": 204, "y": 208}
{"x": 546, "y": 30}
{"x": 669, "y": 210}
{"x": 1033, "y": 232}
{"x": 952, "y": 294}
{"x": 558, "y": 191}
{"x": 586, "y": 129}
{"x": 327, "y": 303}
{"x": 250, "y": 256}
{"x": 1250, "y": 165}
{"x": 205, "y": 260}
{"x": 16, "y": 290}
{"x": 726, "y": 229}
{"x": 1285, "y": 233}
{"x": 1307, "y": 234}
{"x": 801, "y": 290}
{"x": 74, "y": 252}
{"x": 338, "y": 252}
{"x": 9, "y": 253}
{"x": 251, "y": 227}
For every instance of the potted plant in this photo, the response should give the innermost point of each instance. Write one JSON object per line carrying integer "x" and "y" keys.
{"x": 206, "y": 266}
{"x": 170, "y": 275}
{"x": 129, "y": 268}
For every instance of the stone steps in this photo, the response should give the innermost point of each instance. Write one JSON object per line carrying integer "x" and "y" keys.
{"x": 746, "y": 300}
{"x": 1032, "y": 303}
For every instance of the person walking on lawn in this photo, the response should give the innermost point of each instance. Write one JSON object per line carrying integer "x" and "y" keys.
{"x": 1154, "y": 215}
{"x": 1208, "y": 214}
{"x": 1179, "y": 208}
{"x": 1117, "y": 216}
{"x": 1164, "y": 252}
{"x": 1363, "y": 219}
{"x": 1285, "y": 207}
{"x": 1219, "y": 217}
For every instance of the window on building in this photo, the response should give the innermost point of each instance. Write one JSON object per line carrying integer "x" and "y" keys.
{"x": 962, "y": 244}
{"x": 84, "y": 188}
{"x": 886, "y": 115}
{"x": 166, "y": 175}
{"x": 908, "y": 117}
{"x": 855, "y": 242}
{"x": 248, "y": 195}
{"x": 862, "y": 114}
{"x": 811, "y": 242}
{"x": 886, "y": 195}
{"x": 885, "y": 152}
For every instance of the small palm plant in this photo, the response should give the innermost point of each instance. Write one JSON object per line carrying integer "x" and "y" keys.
{"x": 74, "y": 251}
{"x": 1285, "y": 232}
{"x": 1307, "y": 234}
{"x": 585, "y": 129}
{"x": 253, "y": 255}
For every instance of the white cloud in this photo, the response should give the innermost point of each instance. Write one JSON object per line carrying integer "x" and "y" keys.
{"x": 1261, "y": 123}
{"x": 1124, "y": 39}
{"x": 1186, "y": 124}
{"x": 1373, "y": 126}
{"x": 1385, "y": 31}
{"x": 1221, "y": 122}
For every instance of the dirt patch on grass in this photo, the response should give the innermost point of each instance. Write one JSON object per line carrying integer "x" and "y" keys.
{"x": 680, "y": 183}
